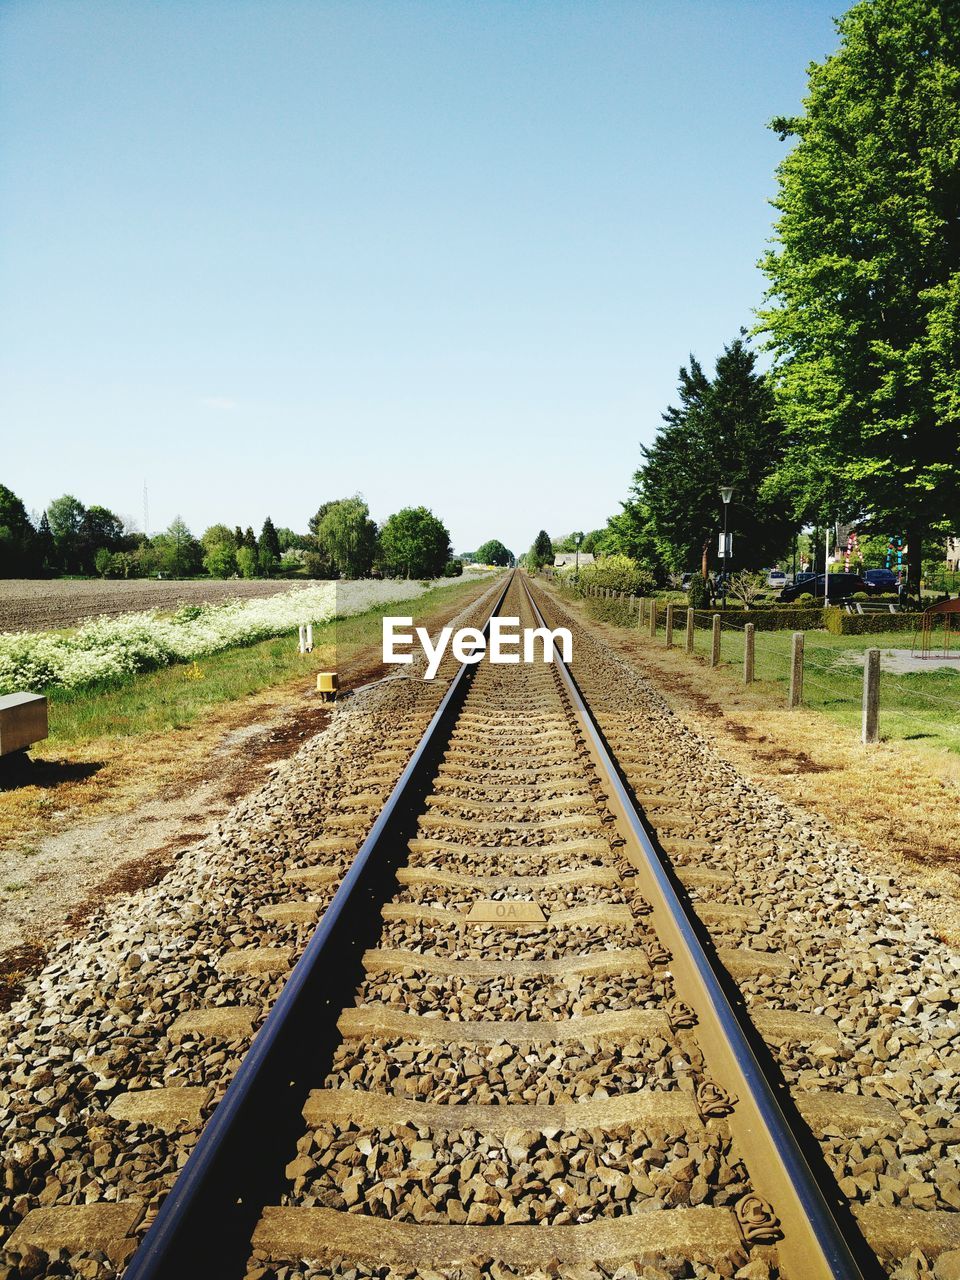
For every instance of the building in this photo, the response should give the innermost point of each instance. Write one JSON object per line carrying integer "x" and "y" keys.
{"x": 570, "y": 557}
{"x": 953, "y": 555}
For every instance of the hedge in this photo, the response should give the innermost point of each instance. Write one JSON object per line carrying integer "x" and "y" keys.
{"x": 798, "y": 619}
{"x": 868, "y": 624}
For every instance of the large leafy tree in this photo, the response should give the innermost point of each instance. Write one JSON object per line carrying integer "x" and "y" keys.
{"x": 346, "y": 536}
{"x": 864, "y": 302}
{"x": 725, "y": 430}
{"x": 494, "y": 552}
{"x": 414, "y": 544}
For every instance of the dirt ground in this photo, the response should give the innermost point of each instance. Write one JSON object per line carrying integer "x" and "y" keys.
{"x": 115, "y": 822}
{"x": 34, "y": 604}
{"x": 901, "y": 806}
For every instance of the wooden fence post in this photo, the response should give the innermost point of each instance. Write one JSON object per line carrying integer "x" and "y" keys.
{"x": 796, "y": 670}
{"x": 689, "y": 631}
{"x": 715, "y": 642}
{"x": 668, "y": 627}
{"x": 653, "y": 617}
{"x": 871, "y": 696}
{"x": 748, "y": 653}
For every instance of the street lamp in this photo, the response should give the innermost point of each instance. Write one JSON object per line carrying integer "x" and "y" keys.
{"x": 577, "y": 539}
{"x": 726, "y": 493}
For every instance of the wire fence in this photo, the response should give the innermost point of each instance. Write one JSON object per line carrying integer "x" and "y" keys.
{"x": 904, "y": 698}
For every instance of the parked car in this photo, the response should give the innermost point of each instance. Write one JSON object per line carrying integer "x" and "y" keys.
{"x": 685, "y": 582}
{"x": 805, "y": 575}
{"x": 885, "y": 579}
{"x": 776, "y": 578}
{"x": 841, "y": 586}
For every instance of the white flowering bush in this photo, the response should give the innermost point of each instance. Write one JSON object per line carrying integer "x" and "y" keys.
{"x": 113, "y": 648}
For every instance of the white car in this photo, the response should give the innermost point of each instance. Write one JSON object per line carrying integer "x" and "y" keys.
{"x": 777, "y": 578}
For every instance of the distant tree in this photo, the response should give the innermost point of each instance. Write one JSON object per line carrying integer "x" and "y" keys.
{"x": 99, "y": 528}
{"x": 347, "y": 536}
{"x": 219, "y": 534}
{"x": 268, "y": 549}
{"x": 103, "y": 561}
{"x": 316, "y": 565}
{"x": 65, "y": 516}
{"x": 247, "y": 561}
{"x": 292, "y": 541}
{"x": 591, "y": 541}
{"x": 19, "y": 549}
{"x": 178, "y": 552}
{"x": 269, "y": 540}
{"x": 45, "y": 549}
{"x": 220, "y": 560}
{"x": 414, "y": 544}
{"x": 238, "y": 537}
{"x": 249, "y": 539}
{"x": 494, "y": 552}
{"x": 541, "y": 552}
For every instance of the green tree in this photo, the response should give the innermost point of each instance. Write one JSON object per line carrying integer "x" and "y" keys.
{"x": 494, "y": 552}
{"x": 65, "y": 516}
{"x": 103, "y": 561}
{"x": 289, "y": 540}
{"x": 541, "y": 552}
{"x": 99, "y": 528}
{"x": 864, "y": 297}
{"x": 268, "y": 549}
{"x": 725, "y": 430}
{"x": 414, "y": 544}
{"x": 19, "y": 549}
{"x": 247, "y": 561}
{"x": 45, "y": 549}
{"x": 347, "y": 537}
{"x": 177, "y": 552}
{"x": 219, "y": 551}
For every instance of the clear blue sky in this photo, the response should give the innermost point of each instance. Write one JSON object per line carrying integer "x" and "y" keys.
{"x": 264, "y": 253}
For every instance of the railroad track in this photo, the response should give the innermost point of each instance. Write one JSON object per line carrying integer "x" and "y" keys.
{"x": 511, "y": 1043}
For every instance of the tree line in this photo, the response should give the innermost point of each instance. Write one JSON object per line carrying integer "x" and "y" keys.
{"x": 857, "y": 419}
{"x": 342, "y": 541}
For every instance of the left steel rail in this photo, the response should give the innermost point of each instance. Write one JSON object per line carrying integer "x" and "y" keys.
{"x": 204, "y": 1226}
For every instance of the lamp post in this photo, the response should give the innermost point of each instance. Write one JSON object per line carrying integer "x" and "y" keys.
{"x": 726, "y": 493}
{"x": 577, "y": 539}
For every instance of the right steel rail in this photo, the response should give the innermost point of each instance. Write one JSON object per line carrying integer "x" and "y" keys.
{"x": 814, "y": 1245}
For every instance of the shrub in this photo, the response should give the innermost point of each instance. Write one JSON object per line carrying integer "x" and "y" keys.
{"x": 698, "y": 595}
{"x": 453, "y": 569}
{"x": 613, "y": 573}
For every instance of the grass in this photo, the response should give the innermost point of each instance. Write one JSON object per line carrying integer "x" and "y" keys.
{"x": 175, "y": 697}
{"x": 921, "y": 706}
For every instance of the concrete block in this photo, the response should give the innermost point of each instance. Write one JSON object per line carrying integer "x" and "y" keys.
{"x": 23, "y": 721}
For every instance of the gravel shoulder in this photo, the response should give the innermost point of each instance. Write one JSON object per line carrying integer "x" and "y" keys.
{"x": 117, "y": 813}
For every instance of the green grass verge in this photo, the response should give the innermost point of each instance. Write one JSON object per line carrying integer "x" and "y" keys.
{"x": 917, "y": 706}
{"x": 176, "y": 696}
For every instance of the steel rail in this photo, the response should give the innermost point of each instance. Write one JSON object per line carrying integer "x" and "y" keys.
{"x": 815, "y": 1246}
{"x": 205, "y": 1223}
